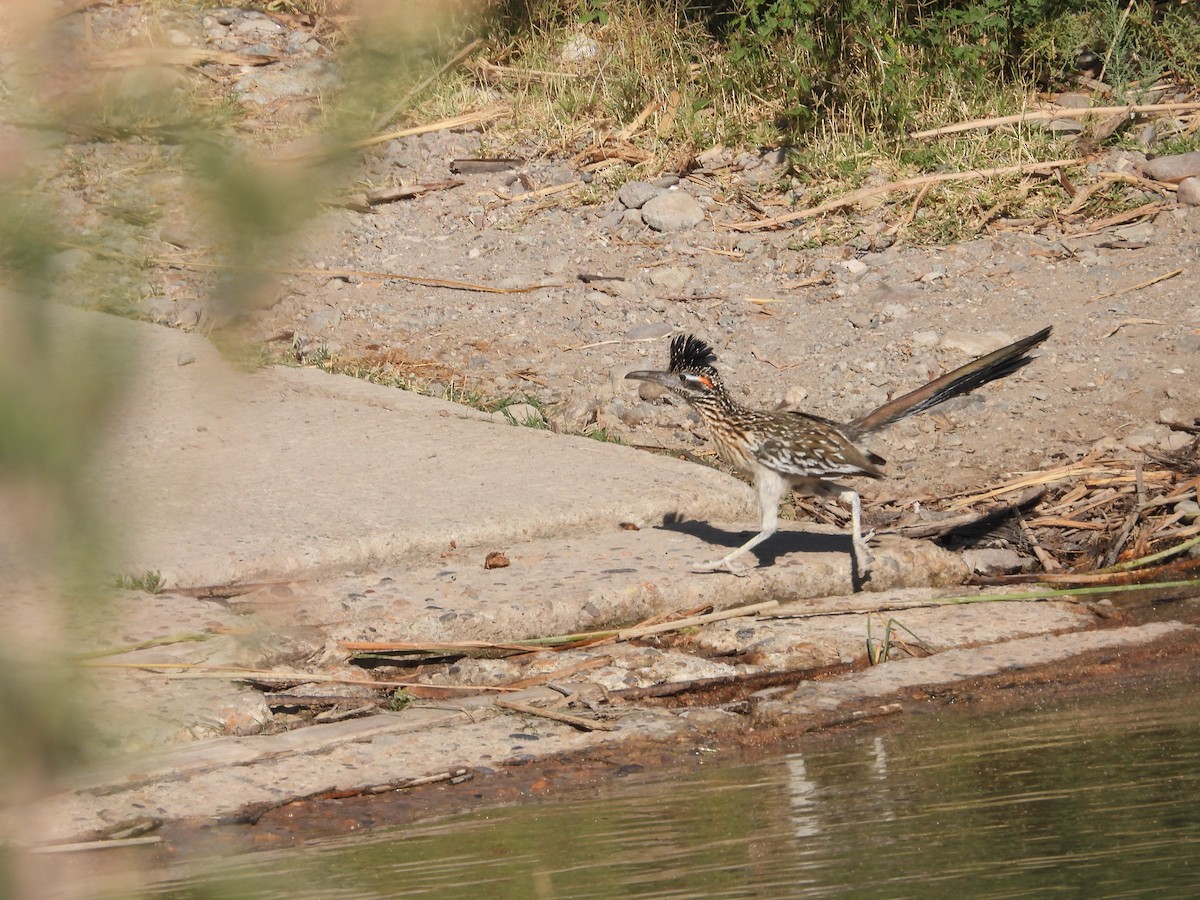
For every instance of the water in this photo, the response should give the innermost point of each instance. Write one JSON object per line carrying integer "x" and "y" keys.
{"x": 1093, "y": 798}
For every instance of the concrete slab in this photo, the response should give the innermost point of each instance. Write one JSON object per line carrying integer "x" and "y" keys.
{"x": 220, "y": 476}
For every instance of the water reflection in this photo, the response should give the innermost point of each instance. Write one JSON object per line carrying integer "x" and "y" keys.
{"x": 1093, "y": 798}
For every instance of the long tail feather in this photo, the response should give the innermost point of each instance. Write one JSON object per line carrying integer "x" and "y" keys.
{"x": 962, "y": 380}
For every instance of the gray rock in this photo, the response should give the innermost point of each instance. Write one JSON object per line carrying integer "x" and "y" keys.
{"x": 672, "y": 278}
{"x": 1188, "y": 510}
{"x": 257, "y": 24}
{"x": 266, "y": 84}
{"x": 1070, "y": 100}
{"x": 975, "y": 344}
{"x": 672, "y": 211}
{"x": 1173, "y": 168}
{"x": 1064, "y": 126}
{"x": 994, "y": 560}
{"x": 579, "y": 48}
{"x": 1188, "y": 193}
{"x": 648, "y": 390}
{"x": 159, "y": 309}
{"x": 635, "y": 194}
{"x": 323, "y": 319}
{"x": 649, "y": 332}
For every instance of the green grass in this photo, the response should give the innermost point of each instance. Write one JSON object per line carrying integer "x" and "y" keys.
{"x": 150, "y": 582}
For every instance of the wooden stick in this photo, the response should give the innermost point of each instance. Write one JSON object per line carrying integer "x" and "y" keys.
{"x": 475, "y": 118}
{"x": 96, "y": 845}
{"x": 235, "y": 673}
{"x": 628, "y": 634}
{"x": 431, "y": 646}
{"x": 574, "y": 721}
{"x": 425, "y": 82}
{"x": 408, "y": 191}
{"x": 1049, "y": 563}
{"x": 1137, "y": 287}
{"x": 1101, "y": 225}
{"x": 357, "y": 273}
{"x": 635, "y": 126}
{"x": 1054, "y": 113}
{"x": 584, "y": 665}
{"x": 646, "y": 630}
{"x": 904, "y": 184}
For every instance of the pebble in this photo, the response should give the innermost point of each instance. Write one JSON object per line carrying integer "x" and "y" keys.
{"x": 323, "y": 319}
{"x": 649, "y": 332}
{"x": 925, "y": 339}
{"x": 1174, "y": 167}
{"x": 579, "y": 48}
{"x": 672, "y": 211}
{"x": 635, "y": 194}
{"x": 266, "y": 84}
{"x": 974, "y": 344}
{"x": 1188, "y": 192}
{"x": 671, "y": 278}
{"x": 995, "y": 560}
{"x": 794, "y": 396}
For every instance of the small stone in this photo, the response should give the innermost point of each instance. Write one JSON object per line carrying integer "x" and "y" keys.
{"x": 925, "y": 339}
{"x": 579, "y": 48}
{"x": 1176, "y": 441}
{"x": 671, "y": 278}
{"x": 672, "y": 211}
{"x": 257, "y": 24}
{"x": 635, "y": 194}
{"x": 323, "y": 319}
{"x": 649, "y": 391}
{"x": 186, "y": 358}
{"x": 975, "y": 344}
{"x": 1173, "y": 168}
{"x": 1187, "y": 510}
{"x": 794, "y": 397}
{"x": 1188, "y": 192}
{"x": 854, "y": 265}
{"x": 1069, "y": 100}
{"x": 649, "y": 332}
{"x": 995, "y": 560}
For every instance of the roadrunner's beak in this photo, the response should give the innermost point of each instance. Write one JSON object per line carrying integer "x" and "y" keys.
{"x": 664, "y": 379}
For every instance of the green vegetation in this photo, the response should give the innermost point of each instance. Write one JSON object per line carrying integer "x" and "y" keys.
{"x": 150, "y": 581}
{"x": 842, "y": 85}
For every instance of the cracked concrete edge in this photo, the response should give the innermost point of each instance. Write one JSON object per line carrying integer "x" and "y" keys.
{"x": 361, "y": 754}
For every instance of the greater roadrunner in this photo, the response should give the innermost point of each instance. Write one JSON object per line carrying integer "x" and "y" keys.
{"x": 799, "y": 451}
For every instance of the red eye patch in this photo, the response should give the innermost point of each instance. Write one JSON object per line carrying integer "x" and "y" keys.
{"x": 705, "y": 380}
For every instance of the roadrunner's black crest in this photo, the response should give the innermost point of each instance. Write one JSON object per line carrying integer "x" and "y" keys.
{"x": 690, "y": 354}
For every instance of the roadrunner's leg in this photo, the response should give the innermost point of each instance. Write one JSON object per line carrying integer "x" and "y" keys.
{"x": 771, "y": 490}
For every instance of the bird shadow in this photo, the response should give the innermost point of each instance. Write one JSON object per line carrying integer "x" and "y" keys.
{"x": 781, "y": 543}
